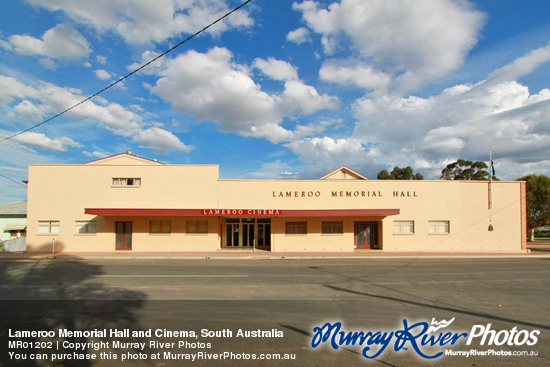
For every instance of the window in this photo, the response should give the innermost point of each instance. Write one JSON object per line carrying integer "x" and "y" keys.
{"x": 86, "y": 226}
{"x": 160, "y": 226}
{"x": 197, "y": 226}
{"x": 296, "y": 228}
{"x": 438, "y": 226}
{"x": 333, "y": 227}
{"x": 122, "y": 181}
{"x": 403, "y": 226}
{"x": 48, "y": 226}
{"x": 18, "y": 233}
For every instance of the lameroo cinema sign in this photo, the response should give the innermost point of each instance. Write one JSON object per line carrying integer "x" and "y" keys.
{"x": 240, "y": 212}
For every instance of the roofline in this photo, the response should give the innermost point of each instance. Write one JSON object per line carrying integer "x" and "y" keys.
{"x": 345, "y": 167}
{"x": 120, "y": 154}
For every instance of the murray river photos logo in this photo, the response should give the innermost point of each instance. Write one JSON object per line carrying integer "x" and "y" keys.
{"x": 427, "y": 340}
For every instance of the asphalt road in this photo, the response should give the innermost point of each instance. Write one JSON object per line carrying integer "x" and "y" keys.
{"x": 289, "y": 296}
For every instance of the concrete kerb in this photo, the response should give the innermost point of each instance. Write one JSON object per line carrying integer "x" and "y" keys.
{"x": 271, "y": 256}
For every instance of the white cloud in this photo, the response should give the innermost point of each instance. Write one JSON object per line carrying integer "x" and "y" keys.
{"x": 298, "y": 96}
{"x": 504, "y": 117}
{"x": 442, "y": 143}
{"x": 143, "y": 21}
{"x": 11, "y": 88}
{"x": 298, "y": 36}
{"x": 393, "y": 120}
{"x": 151, "y": 69}
{"x": 102, "y": 74}
{"x": 413, "y": 41}
{"x": 521, "y": 66}
{"x": 28, "y": 111}
{"x": 360, "y": 76}
{"x": 62, "y": 42}
{"x": 276, "y": 69}
{"x": 301, "y": 131}
{"x": 160, "y": 140}
{"x": 14, "y": 170}
{"x": 210, "y": 86}
{"x": 33, "y": 101}
{"x": 40, "y": 141}
{"x": 47, "y": 63}
{"x": 463, "y": 121}
{"x": 496, "y": 91}
{"x": 273, "y": 132}
{"x": 101, "y": 59}
{"x": 5, "y": 44}
{"x": 137, "y": 107}
{"x": 113, "y": 116}
{"x": 327, "y": 153}
{"x": 271, "y": 170}
{"x": 97, "y": 154}
{"x": 48, "y": 98}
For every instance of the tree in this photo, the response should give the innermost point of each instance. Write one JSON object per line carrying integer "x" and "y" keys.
{"x": 538, "y": 202}
{"x": 400, "y": 174}
{"x": 466, "y": 170}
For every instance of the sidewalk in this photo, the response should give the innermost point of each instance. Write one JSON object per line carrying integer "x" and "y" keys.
{"x": 541, "y": 251}
{"x": 539, "y": 246}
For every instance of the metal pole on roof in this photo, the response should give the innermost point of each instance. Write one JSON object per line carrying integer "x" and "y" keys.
{"x": 490, "y": 228}
{"x": 490, "y": 180}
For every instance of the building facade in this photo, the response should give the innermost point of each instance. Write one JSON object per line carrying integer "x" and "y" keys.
{"x": 13, "y": 220}
{"x": 129, "y": 203}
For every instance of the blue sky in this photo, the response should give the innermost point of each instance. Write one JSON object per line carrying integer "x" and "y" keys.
{"x": 280, "y": 89}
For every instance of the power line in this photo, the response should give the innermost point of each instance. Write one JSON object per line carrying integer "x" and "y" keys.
{"x": 12, "y": 180}
{"x": 127, "y": 75}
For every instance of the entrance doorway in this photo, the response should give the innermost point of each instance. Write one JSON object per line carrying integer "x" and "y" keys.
{"x": 123, "y": 235}
{"x": 264, "y": 233}
{"x": 366, "y": 235}
{"x": 232, "y": 234}
{"x": 247, "y": 233}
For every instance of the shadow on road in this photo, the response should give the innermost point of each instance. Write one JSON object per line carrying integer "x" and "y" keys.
{"x": 64, "y": 299}
{"x": 441, "y": 308}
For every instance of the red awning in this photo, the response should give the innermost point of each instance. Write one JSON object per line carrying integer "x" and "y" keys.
{"x": 244, "y": 212}
{"x": 141, "y": 211}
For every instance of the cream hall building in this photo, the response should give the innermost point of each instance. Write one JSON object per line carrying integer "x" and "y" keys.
{"x": 129, "y": 203}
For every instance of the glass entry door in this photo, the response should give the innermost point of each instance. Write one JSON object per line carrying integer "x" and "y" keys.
{"x": 264, "y": 233}
{"x": 247, "y": 232}
{"x": 366, "y": 235}
{"x": 123, "y": 235}
{"x": 232, "y": 238}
